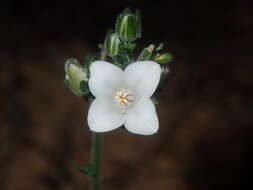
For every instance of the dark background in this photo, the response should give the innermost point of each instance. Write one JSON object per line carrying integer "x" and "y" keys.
{"x": 205, "y": 111}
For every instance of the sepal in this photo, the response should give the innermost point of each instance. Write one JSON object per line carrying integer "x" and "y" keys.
{"x": 154, "y": 100}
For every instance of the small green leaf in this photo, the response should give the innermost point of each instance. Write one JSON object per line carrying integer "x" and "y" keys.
{"x": 88, "y": 170}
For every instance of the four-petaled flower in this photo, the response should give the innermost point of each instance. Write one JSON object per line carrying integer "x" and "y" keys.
{"x": 123, "y": 97}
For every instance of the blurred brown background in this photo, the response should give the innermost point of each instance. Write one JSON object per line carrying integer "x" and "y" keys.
{"x": 205, "y": 137}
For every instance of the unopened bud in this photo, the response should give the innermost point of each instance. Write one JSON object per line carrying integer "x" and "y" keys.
{"x": 75, "y": 74}
{"x": 163, "y": 58}
{"x": 128, "y": 26}
{"x": 112, "y": 43}
{"x": 146, "y": 53}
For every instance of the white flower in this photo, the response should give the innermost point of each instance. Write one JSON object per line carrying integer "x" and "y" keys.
{"x": 123, "y": 97}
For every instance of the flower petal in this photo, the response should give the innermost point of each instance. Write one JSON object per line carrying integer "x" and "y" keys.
{"x": 105, "y": 78}
{"x": 104, "y": 116}
{"x": 142, "y": 118}
{"x": 143, "y": 77}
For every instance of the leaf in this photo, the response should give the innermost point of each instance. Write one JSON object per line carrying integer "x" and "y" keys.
{"x": 88, "y": 170}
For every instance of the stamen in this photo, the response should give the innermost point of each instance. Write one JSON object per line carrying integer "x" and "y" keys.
{"x": 125, "y": 98}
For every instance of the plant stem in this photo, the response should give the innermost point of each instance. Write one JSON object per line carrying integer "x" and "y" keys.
{"x": 95, "y": 180}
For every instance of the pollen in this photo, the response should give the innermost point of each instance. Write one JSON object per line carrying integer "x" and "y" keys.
{"x": 124, "y": 98}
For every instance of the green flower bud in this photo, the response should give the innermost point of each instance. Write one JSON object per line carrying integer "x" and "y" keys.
{"x": 146, "y": 53}
{"x": 128, "y": 26}
{"x": 75, "y": 75}
{"x": 163, "y": 58}
{"x": 112, "y": 43}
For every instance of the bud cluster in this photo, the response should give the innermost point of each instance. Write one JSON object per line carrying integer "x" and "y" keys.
{"x": 119, "y": 42}
{"x": 119, "y": 45}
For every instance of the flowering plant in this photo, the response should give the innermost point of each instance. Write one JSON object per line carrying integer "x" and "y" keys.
{"x": 119, "y": 87}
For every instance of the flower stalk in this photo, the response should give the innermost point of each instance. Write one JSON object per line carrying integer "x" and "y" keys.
{"x": 95, "y": 179}
{"x": 96, "y": 146}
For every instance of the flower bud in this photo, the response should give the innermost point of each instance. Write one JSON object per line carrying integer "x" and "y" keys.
{"x": 112, "y": 43}
{"x": 146, "y": 53}
{"x": 163, "y": 58}
{"x": 127, "y": 26}
{"x": 75, "y": 75}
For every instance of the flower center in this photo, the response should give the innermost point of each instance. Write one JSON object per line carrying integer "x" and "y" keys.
{"x": 125, "y": 98}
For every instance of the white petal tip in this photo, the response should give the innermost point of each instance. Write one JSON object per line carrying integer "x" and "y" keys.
{"x": 144, "y": 133}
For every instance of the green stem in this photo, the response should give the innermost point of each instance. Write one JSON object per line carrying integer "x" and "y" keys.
{"x": 95, "y": 181}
